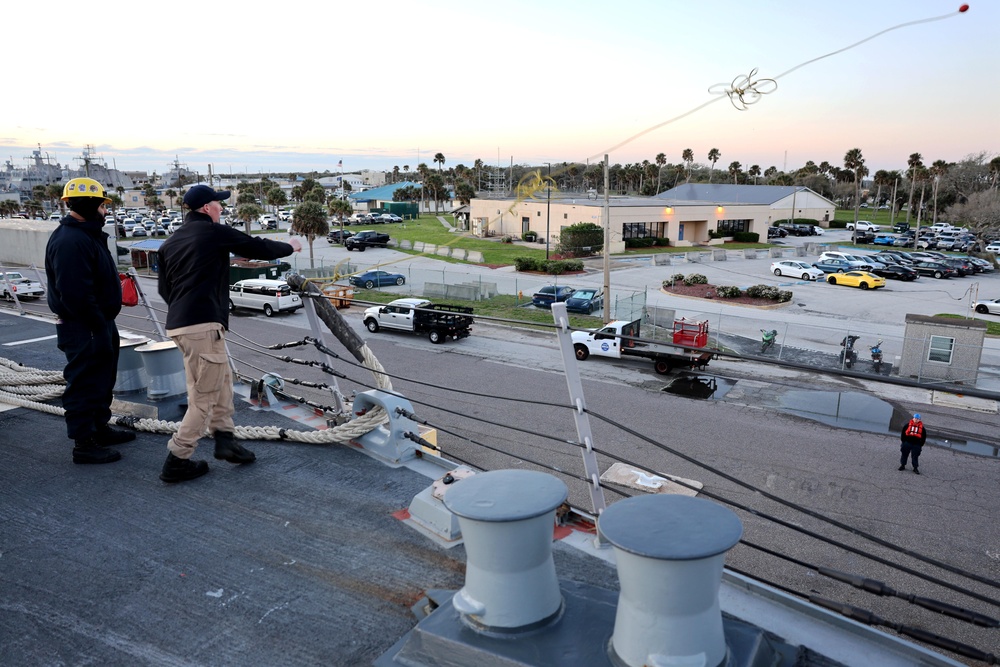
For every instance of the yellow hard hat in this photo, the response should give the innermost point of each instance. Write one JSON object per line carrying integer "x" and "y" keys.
{"x": 84, "y": 187}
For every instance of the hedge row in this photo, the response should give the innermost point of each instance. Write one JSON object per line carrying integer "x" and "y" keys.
{"x": 754, "y": 291}
{"x": 731, "y": 291}
{"x": 553, "y": 267}
{"x": 647, "y": 242}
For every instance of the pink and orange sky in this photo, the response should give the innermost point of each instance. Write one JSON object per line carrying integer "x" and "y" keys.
{"x": 268, "y": 87}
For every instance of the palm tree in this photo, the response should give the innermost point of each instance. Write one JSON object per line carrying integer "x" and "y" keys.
{"x": 854, "y": 161}
{"x": 423, "y": 171}
{"x": 172, "y": 194}
{"x": 395, "y": 174}
{"x": 914, "y": 162}
{"x": 734, "y": 171}
{"x": 34, "y": 208}
{"x": 660, "y": 160}
{"x": 687, "y": 156}
{"x": 53, "y": 193}
{"x": 439, "y": 160}
{"x": 340, "y": 209}
{"x": 995, "y": 171}
{"x": 309, "y": 220}
{"x": 754, "y": 172}
{"x": 882, "y": 177}
{"x": 938, "y": 170}
{"x": 713, "y": 157}
{"x": 276, "y": 197}
{"x": 478, "y": 166}
{"x": 770, "y": 172}
{"x": 435, "y": 186}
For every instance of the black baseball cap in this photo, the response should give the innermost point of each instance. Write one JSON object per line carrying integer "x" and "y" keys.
{"x": 201, "y": 194}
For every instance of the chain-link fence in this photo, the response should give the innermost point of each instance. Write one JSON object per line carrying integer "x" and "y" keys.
{"x": 822, "y": 346}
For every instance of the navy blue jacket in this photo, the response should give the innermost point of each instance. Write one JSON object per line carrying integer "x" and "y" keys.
{"x": 194, "y": 268}
{"x": 82, "y": 275}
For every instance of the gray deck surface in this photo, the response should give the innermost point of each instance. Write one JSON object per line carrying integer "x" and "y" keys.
{"x": 294, "y": 560}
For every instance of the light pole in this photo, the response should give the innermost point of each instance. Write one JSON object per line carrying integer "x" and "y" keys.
{"x": 548, "y": 207}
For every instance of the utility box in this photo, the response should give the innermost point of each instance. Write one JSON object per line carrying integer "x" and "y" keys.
{"x": 407, "y": 210}
{"x": 942, "y": 348}
{"x": 244, "y": 269}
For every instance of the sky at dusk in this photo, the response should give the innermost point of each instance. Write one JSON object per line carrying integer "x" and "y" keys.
{"x": 253, "y": 86}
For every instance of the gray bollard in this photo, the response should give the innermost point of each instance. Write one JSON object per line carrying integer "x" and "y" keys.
{"x": 131, "y": 376}
{"x": 164, "y": 366}
{"x": 507, "y": 518}
{"x": 670, "y": 552}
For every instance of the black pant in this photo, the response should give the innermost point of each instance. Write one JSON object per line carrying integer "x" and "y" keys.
{"x": 91, "y": 370}
{"x": 912, "y": 450}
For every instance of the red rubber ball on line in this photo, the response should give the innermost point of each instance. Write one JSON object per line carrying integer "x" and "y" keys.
{"x": 963, "y": 8}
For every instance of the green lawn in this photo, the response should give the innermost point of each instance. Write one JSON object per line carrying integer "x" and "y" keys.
{"x": 881, "y": 218}
{"x": 992, "y": 328}
{"x": 429, "y": 229}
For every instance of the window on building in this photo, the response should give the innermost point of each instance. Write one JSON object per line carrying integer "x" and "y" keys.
{"x": 730, "y": 227}
{"x": 636, "y": 230}
{"x": 942, "y": 348}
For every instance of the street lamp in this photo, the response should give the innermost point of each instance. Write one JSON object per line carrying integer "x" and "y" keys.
{"x": 548, "y": 206}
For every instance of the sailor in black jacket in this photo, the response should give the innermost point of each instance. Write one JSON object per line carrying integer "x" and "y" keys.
{"x": 85, "y": 293}
{"x": 194, "y": 281}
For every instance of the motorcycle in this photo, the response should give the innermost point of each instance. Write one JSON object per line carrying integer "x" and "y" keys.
{"x": 876, "y": 351}
{"x": 767, "y": 339}
{"x": 848, "y": 355}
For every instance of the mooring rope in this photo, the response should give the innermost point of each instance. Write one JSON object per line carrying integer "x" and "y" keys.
{"x": 27, "y": 387}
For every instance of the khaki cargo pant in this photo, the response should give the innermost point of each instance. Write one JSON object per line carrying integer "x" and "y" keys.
{"x": 209, "y": 388}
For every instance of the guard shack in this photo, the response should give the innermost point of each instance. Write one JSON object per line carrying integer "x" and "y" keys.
{"x": 942, "y": 348}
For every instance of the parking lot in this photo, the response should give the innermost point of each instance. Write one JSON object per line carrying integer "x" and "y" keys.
{"x": 817, "y": 318}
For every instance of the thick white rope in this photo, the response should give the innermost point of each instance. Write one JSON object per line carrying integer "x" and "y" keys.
{"x": 25, "y": 387}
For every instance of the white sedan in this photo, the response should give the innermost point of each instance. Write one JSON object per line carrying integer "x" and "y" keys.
{"x": 988, "y": 307}
{"x": 796, "y": 269}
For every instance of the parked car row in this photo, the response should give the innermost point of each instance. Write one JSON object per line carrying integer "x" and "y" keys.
{"x": 584, "y": 301}
{"x": 372, "y": 218}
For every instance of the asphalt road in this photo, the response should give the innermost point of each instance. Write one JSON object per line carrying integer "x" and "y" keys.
{"x": 739, "y": 446}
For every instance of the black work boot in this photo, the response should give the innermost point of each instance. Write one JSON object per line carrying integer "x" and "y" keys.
{"x": 89, "y": 450}
{"x": 227, "y": 449}
{"x": 180, "y": 470}
{"x": 105, "y": 435}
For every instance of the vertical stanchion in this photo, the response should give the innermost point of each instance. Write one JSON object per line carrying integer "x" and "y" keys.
{"x": 578, "y": 402}
{"x": 338, "y": 398}
{"x": 10, "y": 291}
{"x": 150, "y": 315}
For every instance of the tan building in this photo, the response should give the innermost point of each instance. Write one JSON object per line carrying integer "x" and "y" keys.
{"x": 683, "y": 223}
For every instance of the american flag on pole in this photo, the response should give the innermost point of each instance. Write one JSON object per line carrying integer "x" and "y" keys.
{"x": 340, "y": 163}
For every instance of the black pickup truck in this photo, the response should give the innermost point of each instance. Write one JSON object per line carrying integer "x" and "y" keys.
{"x": 366, "y": 239}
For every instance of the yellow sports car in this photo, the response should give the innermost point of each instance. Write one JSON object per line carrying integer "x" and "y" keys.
{"x": 861, "y": 279}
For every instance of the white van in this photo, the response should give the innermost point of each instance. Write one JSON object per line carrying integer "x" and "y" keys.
{"x": 271, "y": 296}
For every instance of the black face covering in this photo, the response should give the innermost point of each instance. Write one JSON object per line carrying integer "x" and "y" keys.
{"x": 87, "y": 208}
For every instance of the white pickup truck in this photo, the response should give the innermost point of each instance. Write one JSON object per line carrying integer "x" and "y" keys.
{"x": 14, "y": 284}
{"x": 438, "y": 321}
{"x": 619, "y": 339}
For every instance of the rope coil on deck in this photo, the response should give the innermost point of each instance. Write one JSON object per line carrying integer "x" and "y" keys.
{"x": 27, "y": 387}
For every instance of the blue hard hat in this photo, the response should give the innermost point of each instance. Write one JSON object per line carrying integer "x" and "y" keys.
{"x": 917, "y": 416}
